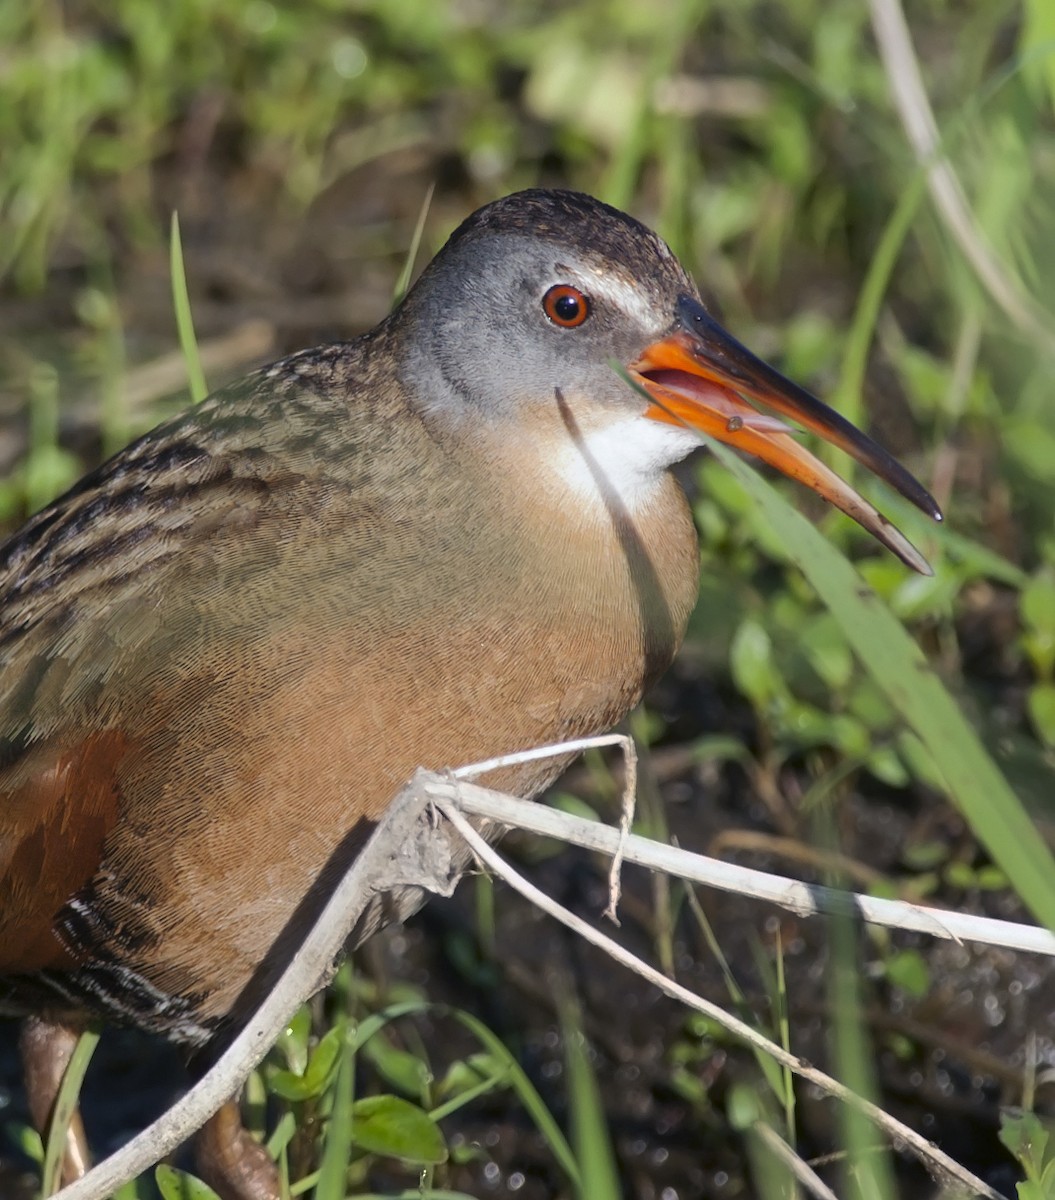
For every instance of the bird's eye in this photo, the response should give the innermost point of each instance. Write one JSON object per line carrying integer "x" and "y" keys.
{"x": 565, "y": 306}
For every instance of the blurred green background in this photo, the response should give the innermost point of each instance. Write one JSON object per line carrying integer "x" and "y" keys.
{"x": 298, "y": 143}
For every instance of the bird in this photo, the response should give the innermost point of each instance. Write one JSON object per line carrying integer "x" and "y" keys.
{"x": 458, "y": 535}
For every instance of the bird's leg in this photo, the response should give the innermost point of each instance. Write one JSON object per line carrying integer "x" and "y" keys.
{"x": 231, "y": 1161}
{"x": 46, "y": 1045}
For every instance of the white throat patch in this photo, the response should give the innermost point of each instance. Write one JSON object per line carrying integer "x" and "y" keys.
{"x": 627, "y": 457}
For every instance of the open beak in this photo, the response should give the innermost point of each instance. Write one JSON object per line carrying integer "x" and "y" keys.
{"x": 699, "y": 375}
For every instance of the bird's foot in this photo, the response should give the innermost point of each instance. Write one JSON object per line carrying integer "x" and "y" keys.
{"x": 231, "y": 1161}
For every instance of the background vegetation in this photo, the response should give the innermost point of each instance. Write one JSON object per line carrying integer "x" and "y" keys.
{"x": 298, "y": 143}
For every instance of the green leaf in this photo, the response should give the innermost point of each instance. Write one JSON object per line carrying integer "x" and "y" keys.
{"x": 394, "y": 1127}
{"x": 47, "y": 472}
{"x": 293, "y": 1042}
{"x": 1038, "y": 600}
{"x": 751, "y": 661}
{"x": 925, "y": 856}
{"x": 908, "y": 970}
{"x": 1037, "y": 608}
{"x": 319, "y": 1073}
{"x": 825, "y": 646}
{"x": 178, "y": 1185}
{"x": 1037, "y": 46}
{"x": 1024, "y": 1135}
{"x": 26, "y": 1139}
{"x": 991, "y": 879}
{"x": 744, "y": 1107}
{"x": 402, "y": 1070}
{"x": 465, "y": 1075}
{"x": 885, "y": 764}
{"x": 468, "y": 1079}
{"x": 283, "y": 1134}
{"x": 719, "y": 747}
{"x": 960, "y": 875}
{"x": 574, "y": 805}
{"x": 1033, "y": 448}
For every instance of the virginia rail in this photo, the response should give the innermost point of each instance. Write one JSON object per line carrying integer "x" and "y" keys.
{"x": 455, "y": 536}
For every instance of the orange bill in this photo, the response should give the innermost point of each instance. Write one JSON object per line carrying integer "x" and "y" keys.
{"x": 699, "y": 375}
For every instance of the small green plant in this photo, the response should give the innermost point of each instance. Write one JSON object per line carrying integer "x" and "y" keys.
{"x": 1032, "y": 1143}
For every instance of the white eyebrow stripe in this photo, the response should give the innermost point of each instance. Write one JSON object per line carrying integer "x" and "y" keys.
{"x": 623, "y": 293}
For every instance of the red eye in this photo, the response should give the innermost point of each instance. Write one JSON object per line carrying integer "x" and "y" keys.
{"x": 566, "y": 306}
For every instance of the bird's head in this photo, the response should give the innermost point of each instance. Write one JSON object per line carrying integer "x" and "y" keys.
{"x": 549, "y": 305}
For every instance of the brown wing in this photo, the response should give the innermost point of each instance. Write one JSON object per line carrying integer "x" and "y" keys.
{"x": 59, "y": 802}
{"x": 137, "y": 602}
{"x": 99, "y": 591}
{"x": 84, "y": 623}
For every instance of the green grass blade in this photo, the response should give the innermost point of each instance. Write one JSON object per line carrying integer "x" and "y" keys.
{"x": 184, "y": 321}
{"x": 403, "y": 282}
{"x": 782, "y": 1007}
{"x": 337, "y": 1150}
{"x": 847, "y": 396}
{"x": 898, "y": 666}
{"x": 525, "y": 1091}
{"x": 593, "y": 1146}
{"x": 868, "y": 1174}
{"x": 65, "y": 1104}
